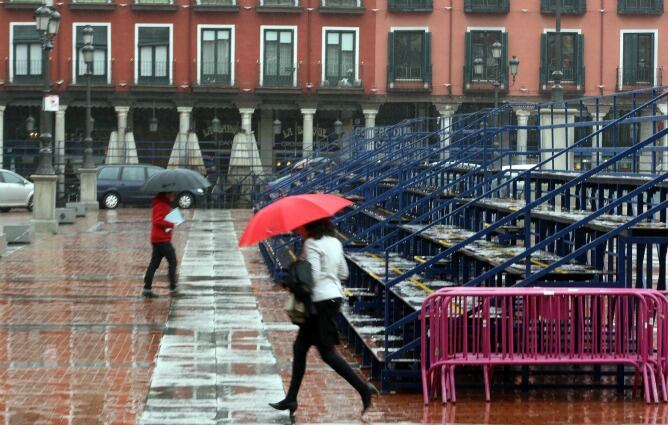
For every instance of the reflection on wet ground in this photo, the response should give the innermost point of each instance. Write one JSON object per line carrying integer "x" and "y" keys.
{"x": 79, "y": 346}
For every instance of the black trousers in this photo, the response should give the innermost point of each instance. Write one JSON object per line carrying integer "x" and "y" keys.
{"x": 160, "y": 250}
{"x": 309, "y": 334}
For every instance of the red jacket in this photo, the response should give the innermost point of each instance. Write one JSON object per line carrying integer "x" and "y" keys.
{"x": 161, "y": 229}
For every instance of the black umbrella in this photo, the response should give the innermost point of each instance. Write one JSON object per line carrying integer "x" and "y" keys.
{"x": 175, "y": 180}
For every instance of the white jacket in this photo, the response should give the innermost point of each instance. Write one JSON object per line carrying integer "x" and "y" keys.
{"x": 328, "y": 266}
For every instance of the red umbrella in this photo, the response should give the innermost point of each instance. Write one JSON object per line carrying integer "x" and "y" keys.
{"x": 288, "y": 213}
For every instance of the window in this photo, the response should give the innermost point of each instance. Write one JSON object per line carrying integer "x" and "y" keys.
{"x": 638, "y": 60}
{"x": 216, "y": 56}
{"x": 99, "y": 66}
{"x": 486, "y": 6}
{"x": 340, "y": 62}
{"x": 410, "y": 56}
{"x": 108, "y": 173}
{"x": 278, "y": 61}
{"x": 573, "y": 7}
{"x": 27, "y": 51}
{"x": 12, "y": 179}
{"x": 479, "y": 46}
{"x": 572, "y": 50}
{"x": 154, "y": 55}
{"x": 151, "y": 171}
{"x": 283, "y": 3}
{"x": 640, "y": 7}
{"x": 133, "y": 174}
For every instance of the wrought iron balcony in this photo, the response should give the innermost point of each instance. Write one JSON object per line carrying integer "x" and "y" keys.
{"x": 410, "y": 5}
{"x": 639, "y": 77}
{"x": 279, "y": 6}
{"x": 568, "y": 7}
{"x": 640, "y": 7}
{"x": 216, "y": 6}
{"x": 409, "y": 78}
{"x": 486, "y": 6}
{"x": 342, "y": 6}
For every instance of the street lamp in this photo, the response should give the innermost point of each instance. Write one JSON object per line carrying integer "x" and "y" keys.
{"x": 47, "y": 22}
{"x": 478, "y": 69}
{"x": 88, "y": 51}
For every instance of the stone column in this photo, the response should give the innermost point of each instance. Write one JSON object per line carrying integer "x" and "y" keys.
{"x": 121, "y": 148}
{"x": 59, "y": 147}
{"x": 2, "y": 135}
{"x": 522, "y": 134}
{"x": 44, "y": 211}
{"x": 307, "y": 137}
{"x": 88, "y": 189}
{"x": 662, "y": 157}
{"x": 553, "y": 140}
{"x": 266, "y": 139}
{"x": 369, "y": 125}
{"x": 446, "y": 112}
{"x": 182, "y": 154}
{"x": 247, "y": 119}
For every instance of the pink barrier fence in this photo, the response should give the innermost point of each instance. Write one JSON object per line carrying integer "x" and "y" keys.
{"x": 490, "y": 327}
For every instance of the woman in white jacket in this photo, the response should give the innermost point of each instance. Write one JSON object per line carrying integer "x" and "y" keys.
{"x": 325, "y": 254}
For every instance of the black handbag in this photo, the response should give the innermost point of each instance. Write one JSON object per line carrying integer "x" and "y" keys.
{"x": 300, "y": 283}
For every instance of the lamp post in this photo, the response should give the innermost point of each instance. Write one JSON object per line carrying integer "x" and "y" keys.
{"x": 277, "y": 128}
{"x": 87, "y": 52}
{"x": 87, "y": 172}
{"x": 557, "y": 74}
{"x": 216, "y": 128}
{"x": 47, "y": 24}
{"x": 47, "y": 21}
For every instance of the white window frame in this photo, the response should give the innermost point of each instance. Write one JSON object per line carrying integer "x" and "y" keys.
{"x": 621, "y": 53}
{"x": 356, "y": 30}
{"x": 295, "y": 61}
{"x": 233, "y": 59}
{"x": 11, "y": 45}
{"x": 171, "y": 48}
{"x": 75, "y": 53}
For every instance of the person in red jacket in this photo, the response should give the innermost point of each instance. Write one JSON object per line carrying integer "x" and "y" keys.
{"x": 161, "y": 239}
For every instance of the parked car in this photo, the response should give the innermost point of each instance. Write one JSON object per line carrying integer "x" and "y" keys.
{"x": 118, "y": 184}
{"x": 15, "y": 191}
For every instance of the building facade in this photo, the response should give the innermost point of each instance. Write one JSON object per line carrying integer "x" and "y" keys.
{"x": 289, "y": 69}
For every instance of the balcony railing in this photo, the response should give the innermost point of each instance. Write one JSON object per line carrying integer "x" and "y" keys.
{"x": 642, "y": 76}
{"x": 92, "y": 1}
{"x": 100, "y": 5}
{"x": 485, "y": 82}
{"x": 26, "y": 71}
{"x": 216, "y": 2}
{"x": 640, "y": 7}
{"x": 279, "y": 6}
{"x": 345, "y": 82}
{"x": 486, "y": 6}
{"x": 216, "y": 6}
{"x": 342, "y": 6}
{"x": 159, "y": 71}
{"x": 410, "y": 5}
{"x": 573, "y": 79}
{"x": 285, "y": 78}
{"x": 156, "y": 5}
{"x": 216, "y": 73}
{"x": 409, "y": 78}
{"x": 572, "y": 7}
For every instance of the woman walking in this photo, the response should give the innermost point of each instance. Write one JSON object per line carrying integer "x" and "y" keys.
{"x": 324, "y": 252}
{"x": 161, "y": 239}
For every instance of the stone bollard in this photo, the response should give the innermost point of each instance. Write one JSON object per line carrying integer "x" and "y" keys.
{"x": 65, "y": 215}
{"x": 79, "y": 208}
{"x": 18, "y": 233}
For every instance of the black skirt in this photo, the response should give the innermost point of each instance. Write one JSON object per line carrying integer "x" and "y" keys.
{"x": 320, "y": 328}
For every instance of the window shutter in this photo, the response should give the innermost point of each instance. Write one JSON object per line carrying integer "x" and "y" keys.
{"x": 545, "y": 6}
{"x": 504, "y": 60}
{"x": 581, "y": 7}
{"x": 390, "y": 57}
{"x": 467, "y": 6}
{"x": 658, "y": 6}
{"x": 468, "y": 67}
{"x": 426, "y": 58}
{"x": 544, "y": 62}
{"x": 581, "y": 65}
{"x": 629, "y": 61}
{"x": 505, "y": 5}
{"x": 25, "y": 34}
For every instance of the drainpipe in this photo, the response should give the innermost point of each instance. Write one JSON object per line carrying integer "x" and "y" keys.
{"x": 600, "y": 62}
{"x": 308, "y": 46}
{"x": 450, "y": 51}
{"x": 190, "y": 43}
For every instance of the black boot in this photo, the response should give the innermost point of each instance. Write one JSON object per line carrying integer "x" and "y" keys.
{"x": 286, "y": 405}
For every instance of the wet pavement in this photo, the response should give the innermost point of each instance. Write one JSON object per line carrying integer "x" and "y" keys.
{"x": 80, "y": 346}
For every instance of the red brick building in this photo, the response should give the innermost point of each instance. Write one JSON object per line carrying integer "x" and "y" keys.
{"x": 308, "y": 63}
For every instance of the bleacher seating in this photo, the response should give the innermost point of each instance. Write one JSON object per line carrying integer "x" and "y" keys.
{"x": 445, "y": 208}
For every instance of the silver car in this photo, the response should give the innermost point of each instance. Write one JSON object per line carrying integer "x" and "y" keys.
{"x": 15, "y": 191}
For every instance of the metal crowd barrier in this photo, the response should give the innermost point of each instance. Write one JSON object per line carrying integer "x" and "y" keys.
{"x": 491, "y": 327}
